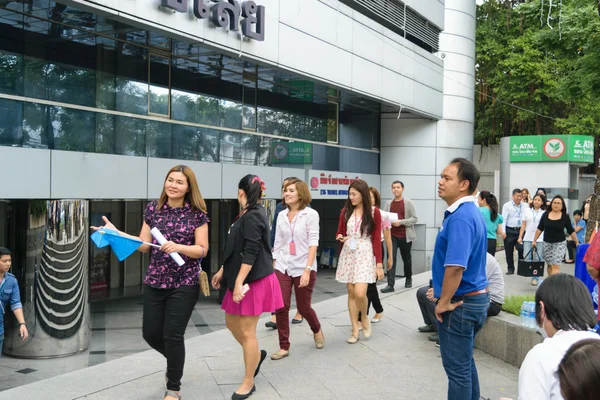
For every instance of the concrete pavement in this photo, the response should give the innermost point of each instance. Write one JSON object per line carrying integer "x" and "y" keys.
{"x": 396, "y": 362}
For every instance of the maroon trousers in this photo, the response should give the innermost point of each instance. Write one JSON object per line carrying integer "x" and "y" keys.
{"x": 303, "y": 301}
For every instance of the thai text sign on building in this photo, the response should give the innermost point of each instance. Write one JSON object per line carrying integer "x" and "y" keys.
{"x": 330, "y": 185}
{"x": 226, "y": 14}
{"x": 552, "y": 148}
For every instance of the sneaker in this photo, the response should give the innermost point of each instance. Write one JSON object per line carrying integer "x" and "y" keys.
{"x": 434, "y": 337}
{"x": 437, "y": 343}
{"x": 387, "y": 289}
{"x": 510, "y": 273}
{"x": 426, "y": 329}
{"x": 408, "y": 283}
{"x": 535, "y": 281}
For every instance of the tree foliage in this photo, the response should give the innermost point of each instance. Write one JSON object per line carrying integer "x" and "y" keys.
{"x": 536, "y": 69}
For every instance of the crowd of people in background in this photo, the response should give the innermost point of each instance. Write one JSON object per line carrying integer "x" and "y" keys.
{"x": 264, "y": 263}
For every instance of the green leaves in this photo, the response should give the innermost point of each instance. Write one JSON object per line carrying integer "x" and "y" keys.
{"x": 550, "y": 76}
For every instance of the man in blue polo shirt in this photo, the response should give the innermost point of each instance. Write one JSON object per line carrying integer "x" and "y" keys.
{"x": 10, "y": 298}
{"x": 459, "y": 280}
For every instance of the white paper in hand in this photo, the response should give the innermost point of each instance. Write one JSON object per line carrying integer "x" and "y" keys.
{"x": 393, "y": 217}
{"x": 161, "y": 240}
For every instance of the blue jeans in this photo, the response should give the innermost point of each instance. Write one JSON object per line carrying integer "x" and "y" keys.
{"x": 457, "y": 339}
{"x": 1, "y": 344}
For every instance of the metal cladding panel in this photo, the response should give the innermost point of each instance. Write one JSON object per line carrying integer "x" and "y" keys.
{"x": 76, "y": 175}
{"x": 24, "y": 173}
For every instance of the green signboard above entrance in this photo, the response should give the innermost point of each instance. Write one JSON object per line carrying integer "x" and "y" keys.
{"x": 552, "y": 148}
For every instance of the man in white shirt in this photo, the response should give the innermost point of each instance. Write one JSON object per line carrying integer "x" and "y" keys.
{"x": 513, "y": 213}
{"x": 493, "y": 273}
{"x": 564, "y": 312}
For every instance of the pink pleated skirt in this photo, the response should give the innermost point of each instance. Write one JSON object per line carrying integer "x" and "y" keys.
{"x": 264, "y": 296}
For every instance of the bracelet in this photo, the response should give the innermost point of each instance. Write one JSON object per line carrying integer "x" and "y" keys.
{"x": 22, "y": 323}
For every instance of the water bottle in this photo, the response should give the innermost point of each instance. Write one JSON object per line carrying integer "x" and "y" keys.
{"x": 523, "y": 313}
{"x": 532, "y": 323}
{"x": 595, "y": 295}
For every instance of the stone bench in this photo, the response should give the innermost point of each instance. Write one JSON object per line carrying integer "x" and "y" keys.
{"x": 503, "y": 337}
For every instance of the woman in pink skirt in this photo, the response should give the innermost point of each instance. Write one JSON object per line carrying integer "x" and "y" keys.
{"x": 248, "y": 275}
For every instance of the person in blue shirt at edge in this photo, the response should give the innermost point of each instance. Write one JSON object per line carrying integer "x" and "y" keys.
{"x": 279, "y": 208}
{"x": 459, "y": 279}
{"x": 10, "y": 296}
{"x": 579, "y": 225}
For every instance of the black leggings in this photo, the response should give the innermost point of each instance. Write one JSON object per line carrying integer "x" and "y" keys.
{"x": 373, "y": 296}
{"x": 166, "y": 315}
{"x": 491, "y": 245}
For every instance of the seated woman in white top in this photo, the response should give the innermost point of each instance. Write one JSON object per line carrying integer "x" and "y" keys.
{"x": 565, "y": 315}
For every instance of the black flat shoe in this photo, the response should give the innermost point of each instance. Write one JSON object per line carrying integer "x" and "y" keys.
{"x": 237, "y": 396}
{"x": 297, "y": 321}
{"x": 271, "y": 325}
{"x": 263, "y": 355}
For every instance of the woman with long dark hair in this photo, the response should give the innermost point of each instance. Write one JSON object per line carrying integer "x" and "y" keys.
{"x": 488, "y": 205}
{"x": 171, "y": 291}
{"x": 248, "y": 275}
{"x": 553, "y": 223}
{"x": 530, "y": 222}
{"x": 359, "y": 232}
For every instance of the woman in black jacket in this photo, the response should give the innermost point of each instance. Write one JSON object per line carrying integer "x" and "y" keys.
{"x": 248, "y": 275}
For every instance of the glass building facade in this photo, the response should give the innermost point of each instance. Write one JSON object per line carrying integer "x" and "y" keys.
{"x": 77, "y": 81}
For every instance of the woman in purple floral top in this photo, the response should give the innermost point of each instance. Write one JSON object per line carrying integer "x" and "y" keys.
{"x": 172, "y": 291}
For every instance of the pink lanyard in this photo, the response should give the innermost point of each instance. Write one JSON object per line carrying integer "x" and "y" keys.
{"x": 292, "y": 227}
{"x": 356, "y": 224}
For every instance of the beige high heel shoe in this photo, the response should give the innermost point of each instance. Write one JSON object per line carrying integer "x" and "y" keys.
{"x": 319, "y": 344}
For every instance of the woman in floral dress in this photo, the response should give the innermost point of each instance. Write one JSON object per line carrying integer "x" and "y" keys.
{"x": 359, "y": 233}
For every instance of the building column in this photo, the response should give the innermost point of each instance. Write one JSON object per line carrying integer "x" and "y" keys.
{"x": 416, "y": 150}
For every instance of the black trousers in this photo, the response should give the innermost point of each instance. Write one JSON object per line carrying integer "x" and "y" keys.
{"x": 494, "y": 309}
{"x": 405, "y": 247}
{"x": 427, "y": 307}
{"x": 166, "y": 315}
{"x": 572, "y": 249}
{"x": 492, "y": 247}
{"x": 512, "y": 235}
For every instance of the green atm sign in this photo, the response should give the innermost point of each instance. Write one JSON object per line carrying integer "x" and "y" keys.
{"x": 552, "y": 148}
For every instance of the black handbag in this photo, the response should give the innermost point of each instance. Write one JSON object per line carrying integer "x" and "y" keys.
{"x": 531, "y": 268}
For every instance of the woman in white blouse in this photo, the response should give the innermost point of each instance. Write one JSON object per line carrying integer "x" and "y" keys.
{"x": 531, "y": 220}
{"x": 294, "y": 259}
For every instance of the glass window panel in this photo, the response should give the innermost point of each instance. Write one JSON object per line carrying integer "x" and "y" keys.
{"x": 332, "y": 122}
{"x": 364, "y": 162}
{"x": 105, "y": 134}
{"x": 11, "y": 73}
{"x": 131, "y": 136}
{"x": 159, "y": 139}
{"x": 73, "y": 129}
{"x": 158, "y": 40}
{"x": 71, "y": 84}
{"x": 35, "y": 118}
{"x": 159, "y": 85}
{"x": 11, "y": 125}
{"x": 326, "y": 158}
{"x": 231, "y": 114}
{"x": 230, "y": 149}
{"x": 36, "y": 78}
{"x": 106, "y": 85}
{"x": 132, "y": 79}
{"x": 249, "y": 109}
{"x": 186, "y": 143}
{"x": 255, "y": 149}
